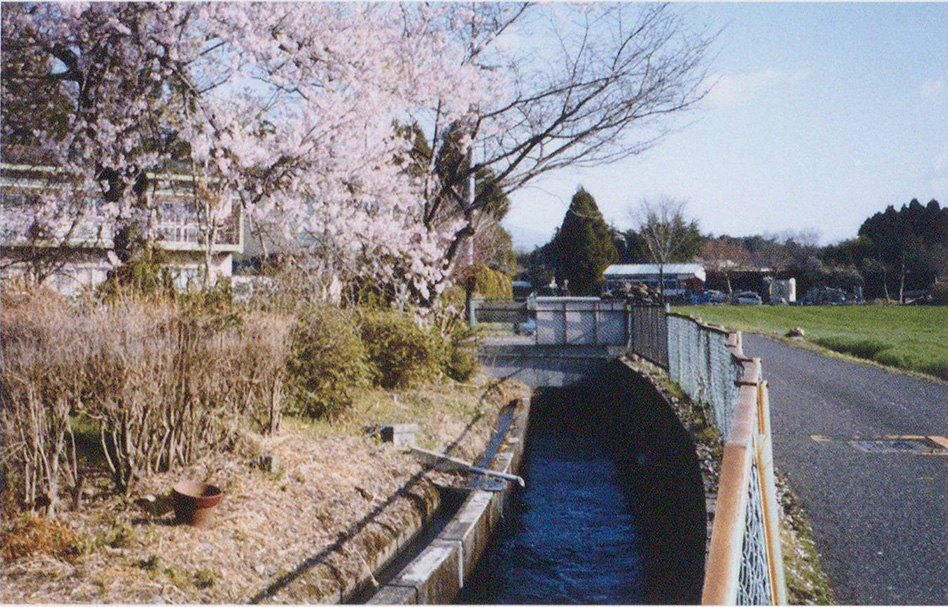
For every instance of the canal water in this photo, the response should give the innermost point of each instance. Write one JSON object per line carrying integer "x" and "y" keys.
{"x": 571, "y": 535}
{"x": 613, "y": 511}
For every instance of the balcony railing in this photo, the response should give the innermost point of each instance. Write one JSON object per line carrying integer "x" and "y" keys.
{"x": 176, "y": 219}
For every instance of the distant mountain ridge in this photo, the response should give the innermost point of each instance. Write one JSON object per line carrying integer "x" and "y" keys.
{"x": 526, "y": 239}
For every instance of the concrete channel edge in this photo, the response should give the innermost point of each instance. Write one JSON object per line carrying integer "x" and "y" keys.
{"x": 438, "y": 573}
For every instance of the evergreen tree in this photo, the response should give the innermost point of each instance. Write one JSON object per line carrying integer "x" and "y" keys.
{"x": 584, "y": 246}
{"x": 905, "y": 248}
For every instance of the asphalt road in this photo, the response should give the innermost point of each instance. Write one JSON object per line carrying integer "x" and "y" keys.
{"x": 880, "y": 520}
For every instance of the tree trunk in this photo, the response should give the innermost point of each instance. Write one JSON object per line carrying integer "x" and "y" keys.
{"x": 661, "y": 282}
{"x": 469, "y": 215}
{"x": 210, "y": 235}
{"x": 902, "y": 283}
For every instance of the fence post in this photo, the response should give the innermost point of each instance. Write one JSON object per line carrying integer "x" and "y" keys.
{"x": 595, "y": 323}
{"x": 663, "y": 347}
{"x": 768, "y": 491}
{"x": 472, "y": 314}
{"x": 565, "y": 326}
{"x": 723, "y": 567}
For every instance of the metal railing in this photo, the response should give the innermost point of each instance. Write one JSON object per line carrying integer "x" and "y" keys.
{"x": 176, "y": 222}
{"x": 554, "y": 321}
{"x": 649, "y": 340}
{"x": 745, "y": 563}
{"x": 581, "y": 322}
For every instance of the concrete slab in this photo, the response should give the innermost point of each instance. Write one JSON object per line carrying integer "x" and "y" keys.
{"x": 471, "y": 527}
{"x": 436, "y": 573}
{"x": 394, "y": 595}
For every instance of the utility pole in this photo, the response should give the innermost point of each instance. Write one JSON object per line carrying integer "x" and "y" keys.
{"x": 469, "y": 283}
{"x": 470, "y": 205}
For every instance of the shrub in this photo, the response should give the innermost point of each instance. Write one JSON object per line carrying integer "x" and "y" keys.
{"x": 328, "y": 363}
{"x": 169, "y": 383}
{"x": 257, "y": 367}
{"x": 488, "y": 283}
{"x": 41, "y": 386}
{"x": 461, "y": 363}
{"x": 146, "y": 275}
{"x": 401, "y": 353}
{"x": 161, "y": 382}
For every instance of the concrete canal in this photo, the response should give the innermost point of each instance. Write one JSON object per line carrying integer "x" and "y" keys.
{"x": 613, "y": 511}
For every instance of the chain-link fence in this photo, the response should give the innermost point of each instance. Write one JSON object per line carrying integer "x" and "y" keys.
{"x": 581, "y": 322}
{"x": 744, "y": 562}
{"x": 754, "y": 587}
{"x": 701, "y": 363}
{"x": 501, "y": 317}
{"x": 554, "y": 321}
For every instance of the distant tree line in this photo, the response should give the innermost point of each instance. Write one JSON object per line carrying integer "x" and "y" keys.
{"x": 895, "y": 251}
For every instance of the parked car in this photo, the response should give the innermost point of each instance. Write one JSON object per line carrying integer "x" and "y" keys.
{"x": 697, "y": 299}
{"x": 747, "y": 298}
{"x": 826, "y": 296}
{"x": 716, "y": 296}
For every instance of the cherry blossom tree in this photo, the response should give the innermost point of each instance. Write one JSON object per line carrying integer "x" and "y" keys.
{"x": 290, "y": 112}
{"x": 573, "y": 87}
{"x": 286, "y": 110}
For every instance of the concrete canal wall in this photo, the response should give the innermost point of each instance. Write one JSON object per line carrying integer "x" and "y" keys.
{"x": 544, "y": 366}
{"x": 437, "y": 574}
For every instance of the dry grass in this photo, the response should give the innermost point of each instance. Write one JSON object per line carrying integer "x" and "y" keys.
{"x": 807, "y": 581}
{"x": 338, "y": 498}
{"x": 29, "y": 535}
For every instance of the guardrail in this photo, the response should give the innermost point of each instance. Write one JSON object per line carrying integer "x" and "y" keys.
{"x": 745, "y": 563}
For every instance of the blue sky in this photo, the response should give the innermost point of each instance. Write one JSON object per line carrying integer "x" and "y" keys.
{"x": 822, "y": 115}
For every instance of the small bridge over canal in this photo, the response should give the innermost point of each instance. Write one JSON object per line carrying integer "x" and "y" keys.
{"x": 558, "y": 341}
{"x": 563, "y": 342}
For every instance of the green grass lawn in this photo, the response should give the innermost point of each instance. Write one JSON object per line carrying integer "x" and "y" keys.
{"x": 914, "y": 338}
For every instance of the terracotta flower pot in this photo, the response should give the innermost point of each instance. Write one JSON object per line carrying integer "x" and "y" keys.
{"x": 194, "y": 503}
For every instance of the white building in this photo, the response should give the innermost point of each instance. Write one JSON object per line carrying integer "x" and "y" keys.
{"x": 88, "y": 254}
{"x": 680, "y": 278}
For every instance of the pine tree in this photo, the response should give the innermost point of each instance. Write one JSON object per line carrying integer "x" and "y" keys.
{"x": 584, "y": 246}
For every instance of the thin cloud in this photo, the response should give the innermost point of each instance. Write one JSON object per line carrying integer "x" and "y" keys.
{"x": 731, "y": 90}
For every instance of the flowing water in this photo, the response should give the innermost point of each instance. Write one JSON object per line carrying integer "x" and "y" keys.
{"x": 570, "y": 536}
